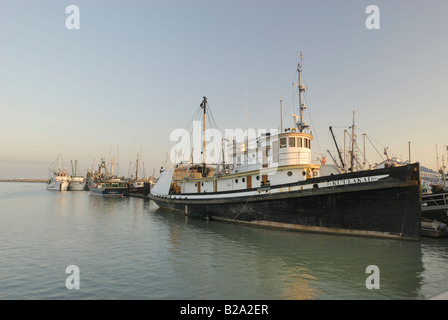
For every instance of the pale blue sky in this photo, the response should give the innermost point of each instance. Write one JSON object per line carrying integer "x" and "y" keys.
{"x": 136, "y": 70}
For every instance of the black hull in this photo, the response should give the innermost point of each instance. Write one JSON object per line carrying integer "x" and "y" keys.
{"x": 142, "y": 191}
{"x": 387, "y": 208}
{"x": 437, "y": 215}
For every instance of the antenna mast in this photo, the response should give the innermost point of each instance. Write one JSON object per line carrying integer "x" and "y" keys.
{"x": 301, "y": 125}
{"x": 352, "y": 155}
{"x": 136, "y": 168}
{"x": 204, "y": 106}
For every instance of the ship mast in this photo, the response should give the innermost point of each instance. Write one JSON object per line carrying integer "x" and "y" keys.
{"x": 136, "y": 168}
{"x": 352, "y": 155}
{"x": 301, "y": 125}
{"x": 59, "y": 162}
{"x": 204, "y": 146}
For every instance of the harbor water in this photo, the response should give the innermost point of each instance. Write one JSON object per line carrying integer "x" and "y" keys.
{"x": 128, "y": 248}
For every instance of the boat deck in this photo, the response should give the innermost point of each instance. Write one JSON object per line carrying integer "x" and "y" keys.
{"x": 432, "y": 229}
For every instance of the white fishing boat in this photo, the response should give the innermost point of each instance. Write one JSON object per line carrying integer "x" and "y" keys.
{"x": 76, "y": 181}
{"x": 60, "y": 179}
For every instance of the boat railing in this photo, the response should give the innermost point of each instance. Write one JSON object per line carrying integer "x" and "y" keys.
{"x": 279, "y": 159}
{"x": 435, "y": 200}
{"x": 293, "y": 158}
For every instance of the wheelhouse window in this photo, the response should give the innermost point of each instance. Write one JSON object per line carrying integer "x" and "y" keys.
{"x": 282, "y": 142}
{"x": 308, "y": 143}
{"x": 292, "y": 142}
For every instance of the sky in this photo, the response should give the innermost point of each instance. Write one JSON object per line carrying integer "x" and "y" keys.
{"x": 136, "y": 70}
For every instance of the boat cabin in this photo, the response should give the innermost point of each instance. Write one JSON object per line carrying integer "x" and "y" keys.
{"x": 271, "y": 160}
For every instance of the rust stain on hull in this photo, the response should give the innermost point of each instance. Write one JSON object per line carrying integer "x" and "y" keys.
{"x": 288, "y": 226}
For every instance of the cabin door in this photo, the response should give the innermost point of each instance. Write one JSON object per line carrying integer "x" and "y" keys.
{"x": 264, "y": 179}
{"x": 249, "y": 182}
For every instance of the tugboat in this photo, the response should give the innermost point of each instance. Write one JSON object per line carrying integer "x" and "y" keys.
{"x": 104, "y": 184}
{"x": 271, "y": 181}
{"x": 59, "y": 179}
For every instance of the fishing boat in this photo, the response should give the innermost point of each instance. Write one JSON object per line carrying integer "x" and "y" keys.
{"x": 76, "y": 181}
{"x": 104, "y": 184}
{"x": 59, "y": 179}
{"x": 136, "y": 183}
{"x": 272, "y": 182}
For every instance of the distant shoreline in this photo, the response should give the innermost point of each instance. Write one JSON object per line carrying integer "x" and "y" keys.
{"x": 23, "y": 180}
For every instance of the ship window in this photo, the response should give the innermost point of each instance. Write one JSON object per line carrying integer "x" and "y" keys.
{"x": 289, "y": 173}
{"x": 202, "y": 184}
{"x": 244, "y": 180}
{"x": 299, "y": 144}
{"x": 236, "y": 180}
{"x": 292, "y": 142}
{"x": 195, "y": 184}
{"x": 282, "y": 142}
{"x": 258, "y": 177}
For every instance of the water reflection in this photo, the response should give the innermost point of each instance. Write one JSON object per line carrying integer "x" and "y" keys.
{"x": 294, "y": 265}
{"x": 127, "y": 248}
{"x": 299, "y": 284}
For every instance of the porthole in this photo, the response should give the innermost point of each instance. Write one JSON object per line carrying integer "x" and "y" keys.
{"x": 289, "y": 173}
{"x": 258, "y": 177}
{"x": 195, "y": 184}
{"x": 304, "y": 173}
{"x": 244, "y": 180}
{"x": 202, "y": 184}
{"x": 236, "y": 180}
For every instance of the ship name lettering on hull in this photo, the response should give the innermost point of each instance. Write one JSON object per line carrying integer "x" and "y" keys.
{"x": 353, "y": 181}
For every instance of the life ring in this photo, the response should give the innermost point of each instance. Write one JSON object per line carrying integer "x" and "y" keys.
{"x": 232, "y": 167}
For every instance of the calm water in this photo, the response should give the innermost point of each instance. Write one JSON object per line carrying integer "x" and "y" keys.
{"x": 127, "y": 248}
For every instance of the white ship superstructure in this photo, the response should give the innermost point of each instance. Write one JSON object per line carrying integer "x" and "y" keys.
{"x": 60, "y": 178}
